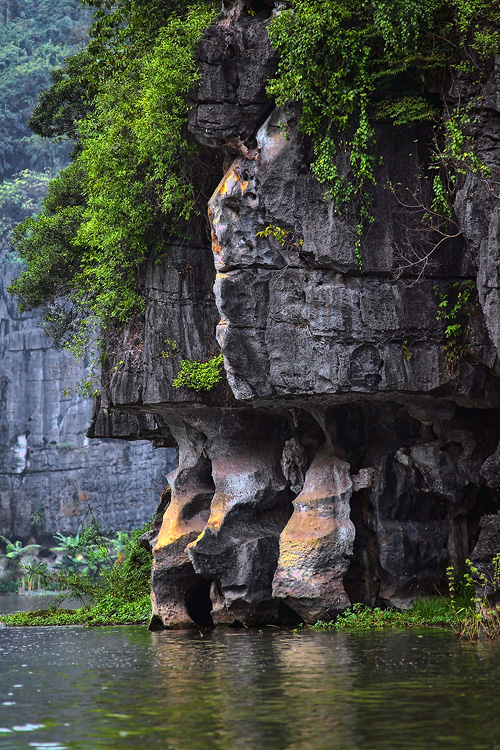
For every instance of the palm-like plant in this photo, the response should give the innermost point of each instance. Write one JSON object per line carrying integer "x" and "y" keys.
{"x": 15, "y": 551}
{"x": 67, "y": 544}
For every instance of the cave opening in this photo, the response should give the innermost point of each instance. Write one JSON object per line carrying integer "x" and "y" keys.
{"x": 156, "y": 624}
{"x": 288, "y": 617}
{"x": 199, "y": 604}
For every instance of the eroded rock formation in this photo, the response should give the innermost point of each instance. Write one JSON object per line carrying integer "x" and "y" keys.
{"x": 343, "y": 457}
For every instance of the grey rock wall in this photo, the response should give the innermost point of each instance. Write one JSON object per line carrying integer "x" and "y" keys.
{"x": 342, "y": 458}
{"x": 51, "y": 474}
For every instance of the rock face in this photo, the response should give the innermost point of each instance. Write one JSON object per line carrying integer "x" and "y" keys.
{"x": 345, "y": 456}
{"x": 485, "y": 559}
{"x": 51, "y": 474}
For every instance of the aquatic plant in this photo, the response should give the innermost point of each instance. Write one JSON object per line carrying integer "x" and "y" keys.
{"x": 482, "y": 620}
{"x": 435, "y": 612}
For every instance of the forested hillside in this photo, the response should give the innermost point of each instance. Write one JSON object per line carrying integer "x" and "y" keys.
{"x": 35, "y": 38}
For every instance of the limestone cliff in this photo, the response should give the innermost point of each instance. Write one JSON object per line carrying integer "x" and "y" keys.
{"x": 51, "y": 475}
{"x": 345, "y": 457}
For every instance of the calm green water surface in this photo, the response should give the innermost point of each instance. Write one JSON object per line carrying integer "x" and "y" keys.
{"x": 230, "y": 690}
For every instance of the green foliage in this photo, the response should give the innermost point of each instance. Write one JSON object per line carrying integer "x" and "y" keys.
{"x": 16, "y": 551}
{"x": 483, "y": 618}
{"x": 337, "y": 58}
{"x": 436, "y": 612}
{"x": 405, "y": 350}
{"x": 284, "y": 237}
{"x": 67, "y": 543}
{"x": 111, "y": 577}
{"x": 8, "y": 586}
{"x": 133, "y": 167}
{"x": 135, "y": 150}
{"x": 35, "y": 37}
{"x": 199, "y": 376}
{"x": 109, "y": 611}
{"x": 441, "y": 203}
{"x": 125, "y": 29}
{"x": 454, "y": 310}
{"x": 37, "y": 518}
{"x": 66, "y": 101}
{"x": 459, "y": 141}
{"x": 467, "y": 611}
{"x": 45, "y": 246}
{"x": 21, "y": 195}
{"x": 171, "y": 349}
{"x": 95, "y": 567}
{"x": 279, "y": 234}
{"x": 124, "y": 100}
{"x": 406, "y": 109}
{"x": 345, "y": 64}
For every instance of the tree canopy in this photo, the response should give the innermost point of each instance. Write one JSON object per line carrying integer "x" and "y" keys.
{"x": 36, "y": 36}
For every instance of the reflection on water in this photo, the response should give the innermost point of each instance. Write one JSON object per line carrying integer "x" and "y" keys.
{"x": 126, "y": 688}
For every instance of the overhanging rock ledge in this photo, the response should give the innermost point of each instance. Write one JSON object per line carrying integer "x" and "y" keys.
{"x": 341, "y": 458}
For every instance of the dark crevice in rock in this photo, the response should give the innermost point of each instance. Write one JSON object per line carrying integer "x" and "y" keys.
{"x": 156, "y": 624}
{"x": 486, "y": 504}
{"x": 199, "y": 605}
{"x": 261, "y": 8}
{"x": 287, "y": 617}
{"x": 361, "y": 581}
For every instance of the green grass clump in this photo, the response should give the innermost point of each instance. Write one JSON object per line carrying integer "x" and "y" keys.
{"x": 109, "y": 611}
{"x": 438, "y": 612}
{"x": 199, "y": 376}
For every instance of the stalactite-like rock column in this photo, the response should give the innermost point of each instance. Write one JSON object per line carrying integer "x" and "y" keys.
{"x": 317, "y": 542}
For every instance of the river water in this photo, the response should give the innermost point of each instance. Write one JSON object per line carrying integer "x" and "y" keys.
{"x": 123, "y": 687}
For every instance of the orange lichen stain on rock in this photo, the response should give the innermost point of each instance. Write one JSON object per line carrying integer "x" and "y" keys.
{"x": 294, "y": 553}
{"x": 218, "y": 511}
{"x": 216, "y": 246}
{"x": 228, "y": 182}
{"x": 170, "y": 531}
{"x": 173, "y": 526}
{"x": 308, "y": 526}
{"x": 225, "y": 185}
